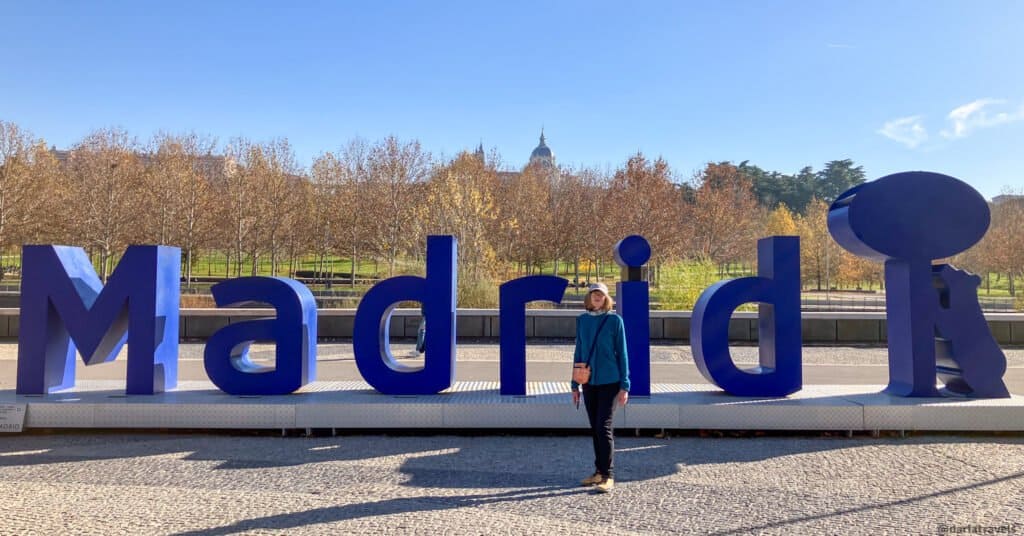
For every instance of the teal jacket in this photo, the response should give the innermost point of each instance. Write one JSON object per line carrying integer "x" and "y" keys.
{"x": 610, "y": 363}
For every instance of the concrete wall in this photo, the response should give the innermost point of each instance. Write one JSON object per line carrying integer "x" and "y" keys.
{"x": 818, "y": 327}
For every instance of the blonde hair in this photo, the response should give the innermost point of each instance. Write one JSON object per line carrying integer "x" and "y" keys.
{"x": 605, "y": 307}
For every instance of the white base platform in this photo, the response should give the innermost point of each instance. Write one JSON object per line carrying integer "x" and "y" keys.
{"x": 477, "y": 405}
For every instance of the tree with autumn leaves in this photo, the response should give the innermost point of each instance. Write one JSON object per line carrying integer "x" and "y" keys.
{"x": 643, "y": 198}
{"x": 723, "y": 220}
{"x": 460, "y": 201}
{"x": 1000, "y": 253}
{"x": 30, "y": 183}
{"x": 251, "y": 205}
{"x": 823, "y": 263}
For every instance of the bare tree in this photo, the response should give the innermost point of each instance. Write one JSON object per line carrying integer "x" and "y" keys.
{"x": 281, "y": 199}
{"x": 179, "y": 195}
{"x": 298, "y": 236}
{"x": 106, "y": 176}
{"x": 600, "y": 231}
{"x": 1003, "y": 246}
{"x": 237, "y": 209}
{"x": 394, "y": 168}
{"x": 526, "y": 208}
{"x": 326, "y": 176}
{"x": 572, "y": 216}
{"x": 355, "y": 223}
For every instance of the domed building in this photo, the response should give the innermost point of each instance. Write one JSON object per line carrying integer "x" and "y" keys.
{"x": 542, "y": 154}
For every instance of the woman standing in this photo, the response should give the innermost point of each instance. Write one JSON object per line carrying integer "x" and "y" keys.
{"x": 601, "y": 343}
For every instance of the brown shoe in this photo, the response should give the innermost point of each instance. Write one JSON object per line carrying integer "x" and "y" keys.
{"x": 593, "y": 479}
{"x": 606, "y": 485}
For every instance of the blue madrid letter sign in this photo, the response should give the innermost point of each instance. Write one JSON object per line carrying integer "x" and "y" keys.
{"x": 373, "y": 319}
{"x": 65, "y": 309}
{"x": 513, "y": 297}
{"x": 634, "y": 305}
{"x": 777, "y": 290}
{"x": 906, "y": 220}
{"x": 936, "y": 329}
{"x": 227, "y": 359}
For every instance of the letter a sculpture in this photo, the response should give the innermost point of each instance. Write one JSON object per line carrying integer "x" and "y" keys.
{"x": 936, "y": 327}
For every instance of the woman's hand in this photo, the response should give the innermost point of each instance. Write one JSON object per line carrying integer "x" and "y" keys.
{"x": 623, "y": 397}
{"x": 576, "y": 398}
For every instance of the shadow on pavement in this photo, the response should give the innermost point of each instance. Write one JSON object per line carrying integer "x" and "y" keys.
{"x": 485, "y": 467}
{"x": 386, "y": 507}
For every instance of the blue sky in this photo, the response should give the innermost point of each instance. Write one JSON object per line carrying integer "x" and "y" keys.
{"x": 893, "y": 85}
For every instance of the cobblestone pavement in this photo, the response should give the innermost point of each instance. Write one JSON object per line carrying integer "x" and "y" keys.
{"x": 201, "y": 484}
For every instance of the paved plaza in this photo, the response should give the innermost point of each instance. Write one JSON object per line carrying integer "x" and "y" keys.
{"x": 233, "y": 483}
{"x": 203, "y": 484}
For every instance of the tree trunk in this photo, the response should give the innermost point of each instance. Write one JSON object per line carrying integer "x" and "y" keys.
{"x": 105, "y": 264}
{"x": 188, "y": 268}
{"x": 352, "y": 276}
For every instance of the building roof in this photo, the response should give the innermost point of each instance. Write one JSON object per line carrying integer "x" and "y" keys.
{"x": 542, "y": 153}
{"x": 1005, "y": 198}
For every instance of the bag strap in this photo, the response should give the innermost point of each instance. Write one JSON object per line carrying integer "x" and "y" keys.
{"x": 593, "y": 345}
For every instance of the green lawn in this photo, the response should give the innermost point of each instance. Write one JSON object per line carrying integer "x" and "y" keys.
{"x": 681, "y": 283}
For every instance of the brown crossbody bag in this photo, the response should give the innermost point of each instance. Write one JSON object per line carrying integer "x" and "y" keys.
{"x": 581, "y": 371}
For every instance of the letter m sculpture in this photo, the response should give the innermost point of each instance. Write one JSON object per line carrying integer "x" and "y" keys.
{"x": 66, "y": 309}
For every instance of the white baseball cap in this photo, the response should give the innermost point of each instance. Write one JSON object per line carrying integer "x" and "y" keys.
{"x": 601, "y": 287}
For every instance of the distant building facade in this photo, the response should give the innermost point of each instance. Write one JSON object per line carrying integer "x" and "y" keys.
{"x": 1007, "y": 198}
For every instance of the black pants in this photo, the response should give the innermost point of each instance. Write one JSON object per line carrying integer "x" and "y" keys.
{"x": 600, "y": 401}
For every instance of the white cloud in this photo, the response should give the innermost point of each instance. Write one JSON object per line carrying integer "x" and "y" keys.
{"x": 838, "y": 45}
{"x": 978, "y": 114}
{"x": 906, "y": 130}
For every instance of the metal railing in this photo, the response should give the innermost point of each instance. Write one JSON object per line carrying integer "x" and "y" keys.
{"x": 876, "y": 302}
